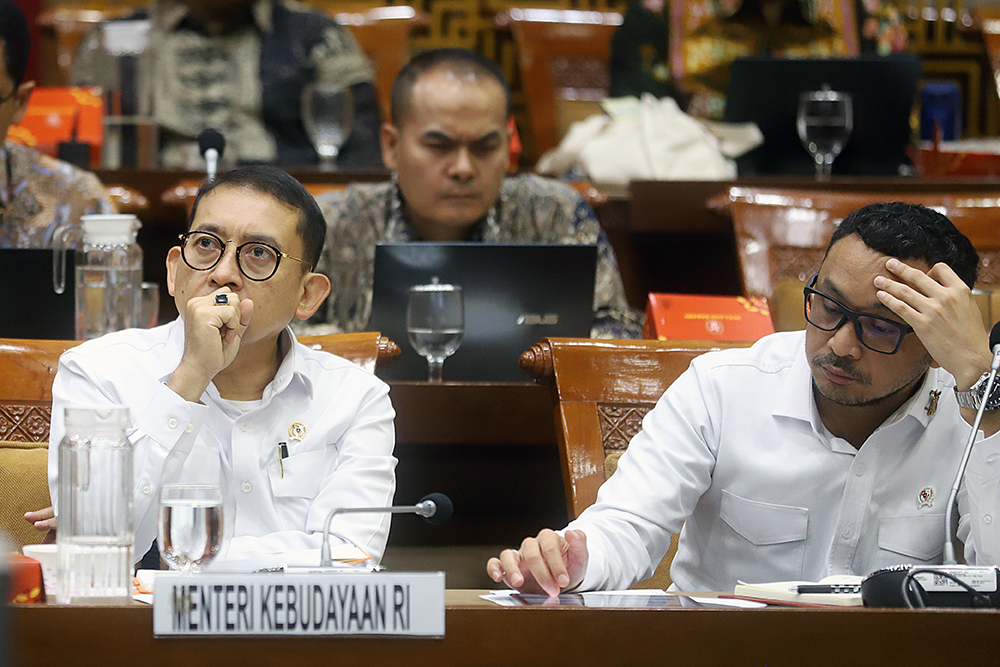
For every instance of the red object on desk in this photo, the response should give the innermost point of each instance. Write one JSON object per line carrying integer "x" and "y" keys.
{"x": 25, "y": 579}
{"x": 700, "y": 317}
{"x": 51, "y": 114}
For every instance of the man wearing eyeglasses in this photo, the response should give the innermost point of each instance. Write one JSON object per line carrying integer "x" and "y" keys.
{"x": 828, "y": 451}
{"x": 226, "y": 395}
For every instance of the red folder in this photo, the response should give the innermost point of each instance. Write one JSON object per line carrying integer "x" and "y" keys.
{"x": 700, "y": 317}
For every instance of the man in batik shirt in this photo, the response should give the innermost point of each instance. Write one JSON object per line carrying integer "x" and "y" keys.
{"x": 240, "y": 67}
{"x": 37, "y": 193}
{"x": 447, "y": 147}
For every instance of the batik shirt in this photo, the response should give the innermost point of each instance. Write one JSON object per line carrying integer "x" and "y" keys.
{"x": 39, "y": 193}
{"x": 247, "y": 82}
{"x": 530, "y": 210}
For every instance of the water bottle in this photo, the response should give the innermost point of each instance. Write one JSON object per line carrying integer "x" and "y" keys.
{"x": 108, "y": 276}
{"x": 95, "y": 532}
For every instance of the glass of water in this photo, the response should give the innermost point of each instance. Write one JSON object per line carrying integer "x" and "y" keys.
{"x": 190, "y": 525}
{"x": 825, "y": 120}
{"x": 435, "y": 323}
{"x": 327, "y": 112}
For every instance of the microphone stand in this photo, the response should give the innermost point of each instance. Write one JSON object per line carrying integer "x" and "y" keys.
{"x": 949, "y": 545}
{"x": 436, "y": 506}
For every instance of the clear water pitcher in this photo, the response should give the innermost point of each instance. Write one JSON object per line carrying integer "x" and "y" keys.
{"x": 108, "y": 276}
{"x": 94, "y": 507}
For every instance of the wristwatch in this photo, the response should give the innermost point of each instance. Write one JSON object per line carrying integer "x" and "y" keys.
{"x": 973, "y": 398}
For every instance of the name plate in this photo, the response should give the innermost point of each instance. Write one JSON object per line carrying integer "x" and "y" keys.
{"x": 314, "y": 603}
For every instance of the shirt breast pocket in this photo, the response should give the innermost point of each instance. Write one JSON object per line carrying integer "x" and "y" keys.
{"x": 302, "y": 477}
{"x": 919, "y": 538}
{"x": 762, "y": 541}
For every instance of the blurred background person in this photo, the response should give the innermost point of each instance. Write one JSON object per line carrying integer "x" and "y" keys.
{"x": 716, "y": 32}
{"x": 240, "y": 67}
{"x": 448, "y": 146}
{"x": 37, "y": 193}
{"x": 640, "y": 52}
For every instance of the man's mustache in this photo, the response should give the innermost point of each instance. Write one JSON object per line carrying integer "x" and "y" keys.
{"x": 844, "y": 365}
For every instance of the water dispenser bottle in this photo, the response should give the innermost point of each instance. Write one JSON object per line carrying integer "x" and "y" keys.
{"x": 94, "y": 507}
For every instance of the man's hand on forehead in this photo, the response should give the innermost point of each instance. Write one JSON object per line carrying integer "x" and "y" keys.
{"x": 940, "y": 308}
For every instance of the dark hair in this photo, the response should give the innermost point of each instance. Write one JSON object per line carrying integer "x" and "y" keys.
{"x": 456, "y": 60}
{"x": 912, "y": 231}
{"x": 15, "y": 36}
{"x": 277, "y": 184}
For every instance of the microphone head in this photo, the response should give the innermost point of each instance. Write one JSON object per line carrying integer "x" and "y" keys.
{"x": 995, "y": 336}
{"x": 443, "y": 508}
{"x": 210, "y": 138}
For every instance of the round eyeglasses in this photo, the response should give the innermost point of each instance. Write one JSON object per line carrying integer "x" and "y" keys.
{"x": 879, "y": 334}
{"x": 256, "y": 260}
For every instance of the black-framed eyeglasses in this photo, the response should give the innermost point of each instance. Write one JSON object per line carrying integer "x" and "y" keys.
{"x": 257, "y": 261}
{"x": 879, "y": 334}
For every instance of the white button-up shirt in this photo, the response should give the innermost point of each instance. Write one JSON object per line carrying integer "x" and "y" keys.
{"x": 736, "y": 453}
{"x": 343, "y": 460}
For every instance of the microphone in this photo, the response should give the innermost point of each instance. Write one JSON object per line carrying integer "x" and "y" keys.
{"x": 435, "y": 508}
{"x": 892, "y": 587}
{"x": 211, "y": 145}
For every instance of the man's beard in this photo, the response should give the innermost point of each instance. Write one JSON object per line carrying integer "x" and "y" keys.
{"x": 846, "y": 366}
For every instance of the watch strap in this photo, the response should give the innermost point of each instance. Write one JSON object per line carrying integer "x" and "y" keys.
{"x": 973, "y": 398}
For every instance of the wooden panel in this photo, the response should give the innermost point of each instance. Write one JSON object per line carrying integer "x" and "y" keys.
{"x": 478, "y": 633}
{"x": 582, "y": 455}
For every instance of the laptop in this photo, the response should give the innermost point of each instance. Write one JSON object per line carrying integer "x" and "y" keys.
{"x": 514, "y": 296}
{"x": 766, "y": 91}
{"x": 29, "y": 306}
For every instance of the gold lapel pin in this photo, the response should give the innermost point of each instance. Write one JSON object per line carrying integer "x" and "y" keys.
{"x": 297, "y": 431}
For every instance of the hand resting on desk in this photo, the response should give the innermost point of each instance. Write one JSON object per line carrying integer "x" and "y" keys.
{"x": 548, "y": 563}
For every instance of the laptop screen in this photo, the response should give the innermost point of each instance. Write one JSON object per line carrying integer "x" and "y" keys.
{"x": 29, "y": 306}
{"x": 766, "y": 91}
{"x": 514, "y": 295}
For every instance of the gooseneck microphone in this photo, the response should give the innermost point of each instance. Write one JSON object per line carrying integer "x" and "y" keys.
{"x": 953, "y": 585}
{"x": 435, "y": 508}
{"x": 211, "y": 145}
{"x": 949, "y": 546}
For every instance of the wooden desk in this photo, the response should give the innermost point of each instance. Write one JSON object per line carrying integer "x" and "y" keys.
{"x": 479, "y": 633}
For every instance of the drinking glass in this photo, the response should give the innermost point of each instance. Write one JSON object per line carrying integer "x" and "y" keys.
{"x": 327, "y": 112}
{"x": 824, "y": 121}
{"x": 435, "y": 323}
{"x": 190, "y": 525}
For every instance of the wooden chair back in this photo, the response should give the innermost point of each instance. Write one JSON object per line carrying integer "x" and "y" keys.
{"x": 383, "y": 33}
{"x": 28, "y": 367}
{"x": 782, "y": 235}
{"x": 562, "y": 57}
{"x": 601, "y": 391}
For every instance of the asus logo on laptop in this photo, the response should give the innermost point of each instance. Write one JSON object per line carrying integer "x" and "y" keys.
{"x": 531, "y": 319}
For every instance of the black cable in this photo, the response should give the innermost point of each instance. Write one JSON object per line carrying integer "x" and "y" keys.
{"x": 911, "y": 585}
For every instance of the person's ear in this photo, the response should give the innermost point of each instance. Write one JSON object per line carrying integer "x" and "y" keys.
{"x": 389, "y": 138}
{"x": 173, "y": 260}
{"x": 315, "y": 289}
{"x": 23, "y": 96}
